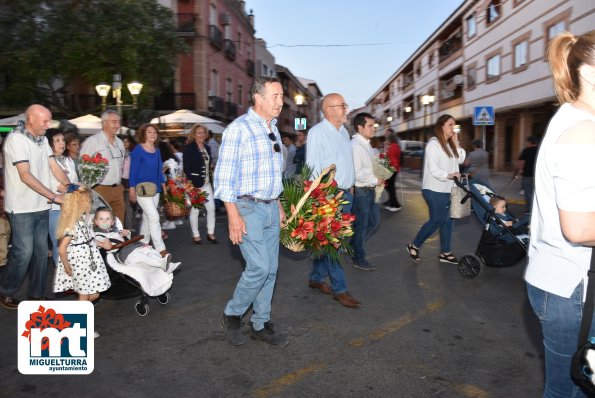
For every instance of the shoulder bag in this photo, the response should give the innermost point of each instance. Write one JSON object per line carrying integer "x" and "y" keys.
{"x": 582, "y": 366}
{"x": 460, "y": 204}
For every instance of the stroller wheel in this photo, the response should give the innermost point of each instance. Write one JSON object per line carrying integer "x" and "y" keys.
{"x": 141, "y": 308}
{"x": 470, "y": 266}
{"x": 163, "y": 299}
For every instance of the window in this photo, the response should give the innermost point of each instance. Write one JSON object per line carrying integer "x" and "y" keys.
{"x": 493, "y": 67}
{"x": 240, "y": 94}
{"x": 431, "y": 59}
{"x": 471, "y": 27}
{"x": 556, "y": 29}
{"x": 520, "y": 54}
{"x": 493, "y": 11}
{"x": 229, "y": 90}
{"x": 213, "y": 15}
{"x": 471, "y": 77}
{"x": 214, "y": 83}
{"x": 239, "y": 46}
{"x": 265, "y": 70}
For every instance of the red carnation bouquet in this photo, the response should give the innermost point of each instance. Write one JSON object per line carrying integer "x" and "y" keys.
{"x": 181, "y": 193}
{"x": 315, "y": 222}
{"x": 92, "y": 169}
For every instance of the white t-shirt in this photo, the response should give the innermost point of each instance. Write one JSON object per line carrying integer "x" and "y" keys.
{"x": 18, "y": 197}
{"x": 563, "y": 180}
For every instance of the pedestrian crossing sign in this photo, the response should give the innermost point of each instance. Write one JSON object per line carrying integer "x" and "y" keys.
{"x": 483, "y": 116}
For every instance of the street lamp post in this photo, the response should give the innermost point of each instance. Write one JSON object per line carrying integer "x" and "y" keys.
{"x": 426, "y": 100}
{"x": 104, "y": 88}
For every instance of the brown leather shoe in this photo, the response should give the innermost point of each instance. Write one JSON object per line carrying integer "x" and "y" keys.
{"x": 8, "y": 302}
{"x": 321, "y": 286}
{"x": 347, "y": 300}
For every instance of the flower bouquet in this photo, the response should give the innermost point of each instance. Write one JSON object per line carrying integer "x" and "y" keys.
{"x": 315, "y": 222}
{"x": 382, "y": 170}
{"x": 176, "y": 200}
{"x": 197, "y": 196}
{"x": 92, "y": 169}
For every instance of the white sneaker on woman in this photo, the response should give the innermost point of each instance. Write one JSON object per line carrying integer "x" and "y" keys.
{"x": 168, "y": 225}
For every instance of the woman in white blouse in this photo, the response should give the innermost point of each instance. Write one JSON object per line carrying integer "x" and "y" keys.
{"x": 56, "y": 140}
{"x": 563, "y": 217}
{"x": 441, "y": 165}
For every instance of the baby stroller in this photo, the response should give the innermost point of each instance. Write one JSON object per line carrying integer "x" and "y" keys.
{"x": 499, "y": 245}
{"x": 128, "y": 282}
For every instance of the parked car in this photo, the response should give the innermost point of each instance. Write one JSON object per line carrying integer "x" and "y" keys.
{"x": 411, "y": 148}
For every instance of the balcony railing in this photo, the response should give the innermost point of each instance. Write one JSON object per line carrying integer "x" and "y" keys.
{"x": 229, "y": 49}
{"x": 175, "y": 101}
{"x": 216, "y": 104}
{"x": 231, "y": 109}
{"x": 450, "y": 46}
{"x": 215, "y": 37}
{"x": 250, "y": 69}
{"x": 186, "y": 23}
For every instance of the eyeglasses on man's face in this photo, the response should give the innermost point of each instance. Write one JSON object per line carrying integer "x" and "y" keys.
{"x": 344, "y": 106}
{"x": 276, "y": 146}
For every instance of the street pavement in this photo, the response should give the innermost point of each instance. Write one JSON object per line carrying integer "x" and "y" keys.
{"x": 423, "y": 330}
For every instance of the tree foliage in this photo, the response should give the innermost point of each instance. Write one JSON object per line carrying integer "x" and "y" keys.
{"x": 53, "y": 48}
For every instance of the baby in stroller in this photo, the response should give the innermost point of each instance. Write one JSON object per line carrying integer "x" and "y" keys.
{"x": 140, "y": 261}
{"x": 520, "y": 228}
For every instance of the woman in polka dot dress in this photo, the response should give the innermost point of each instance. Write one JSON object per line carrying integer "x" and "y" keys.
{"x": 80, "y": 267}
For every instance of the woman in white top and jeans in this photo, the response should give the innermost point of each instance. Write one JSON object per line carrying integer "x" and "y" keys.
{"x": 441, "y": 165}
{"x": 56, "y": 140}
{"x": 563, "y": 218}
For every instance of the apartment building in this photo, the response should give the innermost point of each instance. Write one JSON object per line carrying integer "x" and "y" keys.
{"x": 214, "y": 77}
{"x": 486, "y": 53}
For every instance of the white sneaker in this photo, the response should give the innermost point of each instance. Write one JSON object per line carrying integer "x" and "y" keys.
{"x": 165, "y": 262}
{"x": 96, "y": 335}
{"x": 179, "y": 222}
{"x": 390, "y": 208}
{"x": 172, "y": 267}
{"x": 168, "y": 225}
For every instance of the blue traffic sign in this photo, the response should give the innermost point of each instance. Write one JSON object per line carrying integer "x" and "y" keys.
{"x": 483, "y": 116}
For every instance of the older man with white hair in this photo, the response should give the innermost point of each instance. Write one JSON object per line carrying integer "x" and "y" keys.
{"x": 112, "y": 148}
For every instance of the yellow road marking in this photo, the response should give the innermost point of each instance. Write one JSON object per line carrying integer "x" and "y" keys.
{"x": 277, "y": 385}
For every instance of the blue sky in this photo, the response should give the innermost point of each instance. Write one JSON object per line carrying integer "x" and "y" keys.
{"x": 376, "y": 37}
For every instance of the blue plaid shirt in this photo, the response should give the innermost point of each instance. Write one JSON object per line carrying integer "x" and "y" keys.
{"x": 248, "y": 164}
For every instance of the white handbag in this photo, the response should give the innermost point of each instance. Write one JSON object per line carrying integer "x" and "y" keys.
{"x": 457, "y": 194}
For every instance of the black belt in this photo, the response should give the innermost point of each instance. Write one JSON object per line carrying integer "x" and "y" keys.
{"x": 366, "y": 188}
{"x": 253, "y": 199}
{"x": 112, "y": 186}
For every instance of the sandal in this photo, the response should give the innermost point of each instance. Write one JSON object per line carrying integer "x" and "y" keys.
{"x": 413, "y": 252}
{"x": 448, "y": 258}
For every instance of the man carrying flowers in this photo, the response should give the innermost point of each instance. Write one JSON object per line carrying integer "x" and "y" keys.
{"x": 328, "y": 143}
{"x": 365, "y": 208}
{"x": 248, "y": 179}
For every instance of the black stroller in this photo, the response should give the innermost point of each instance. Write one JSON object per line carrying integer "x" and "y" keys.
{"x": 125, "y": 286}
{"x": 499, "y": 245}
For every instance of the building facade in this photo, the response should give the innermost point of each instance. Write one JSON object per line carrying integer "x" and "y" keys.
{"x": 486, "y": 53}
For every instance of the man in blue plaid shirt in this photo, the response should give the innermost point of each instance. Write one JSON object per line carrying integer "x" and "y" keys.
{"x": 248, "y": 180}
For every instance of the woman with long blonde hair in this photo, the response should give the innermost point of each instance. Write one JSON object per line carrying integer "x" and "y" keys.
{"x": 80, "y": 266}
{"x": 563, "y": 217}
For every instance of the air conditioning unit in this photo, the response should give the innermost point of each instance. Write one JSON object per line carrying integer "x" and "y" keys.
{"x": 225, "y": 19}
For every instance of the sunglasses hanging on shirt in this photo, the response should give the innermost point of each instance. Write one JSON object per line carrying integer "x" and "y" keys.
{"x": 276, "y": 146}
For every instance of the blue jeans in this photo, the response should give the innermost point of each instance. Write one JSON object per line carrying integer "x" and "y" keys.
{"x": 29, "y": 252}
{"x": 325, "y": 266}
{"x": 366, "y": 221}
{"x": 54, "y": 218}
{"x": 439, "y": 208}
{"x": 260, "y": 248}
{"x": 560, "y": 323}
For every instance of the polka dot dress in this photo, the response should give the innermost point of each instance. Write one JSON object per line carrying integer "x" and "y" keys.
{"x": 83, "y": 256}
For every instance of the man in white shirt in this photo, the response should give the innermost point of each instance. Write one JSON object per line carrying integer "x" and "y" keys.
{"x": 112, "y": 148}
{"x": 364, "y": 206}
{"x": 29, "y": 162}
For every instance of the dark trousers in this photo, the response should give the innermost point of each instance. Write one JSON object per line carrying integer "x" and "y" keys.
{"x": 392, "y": 195}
